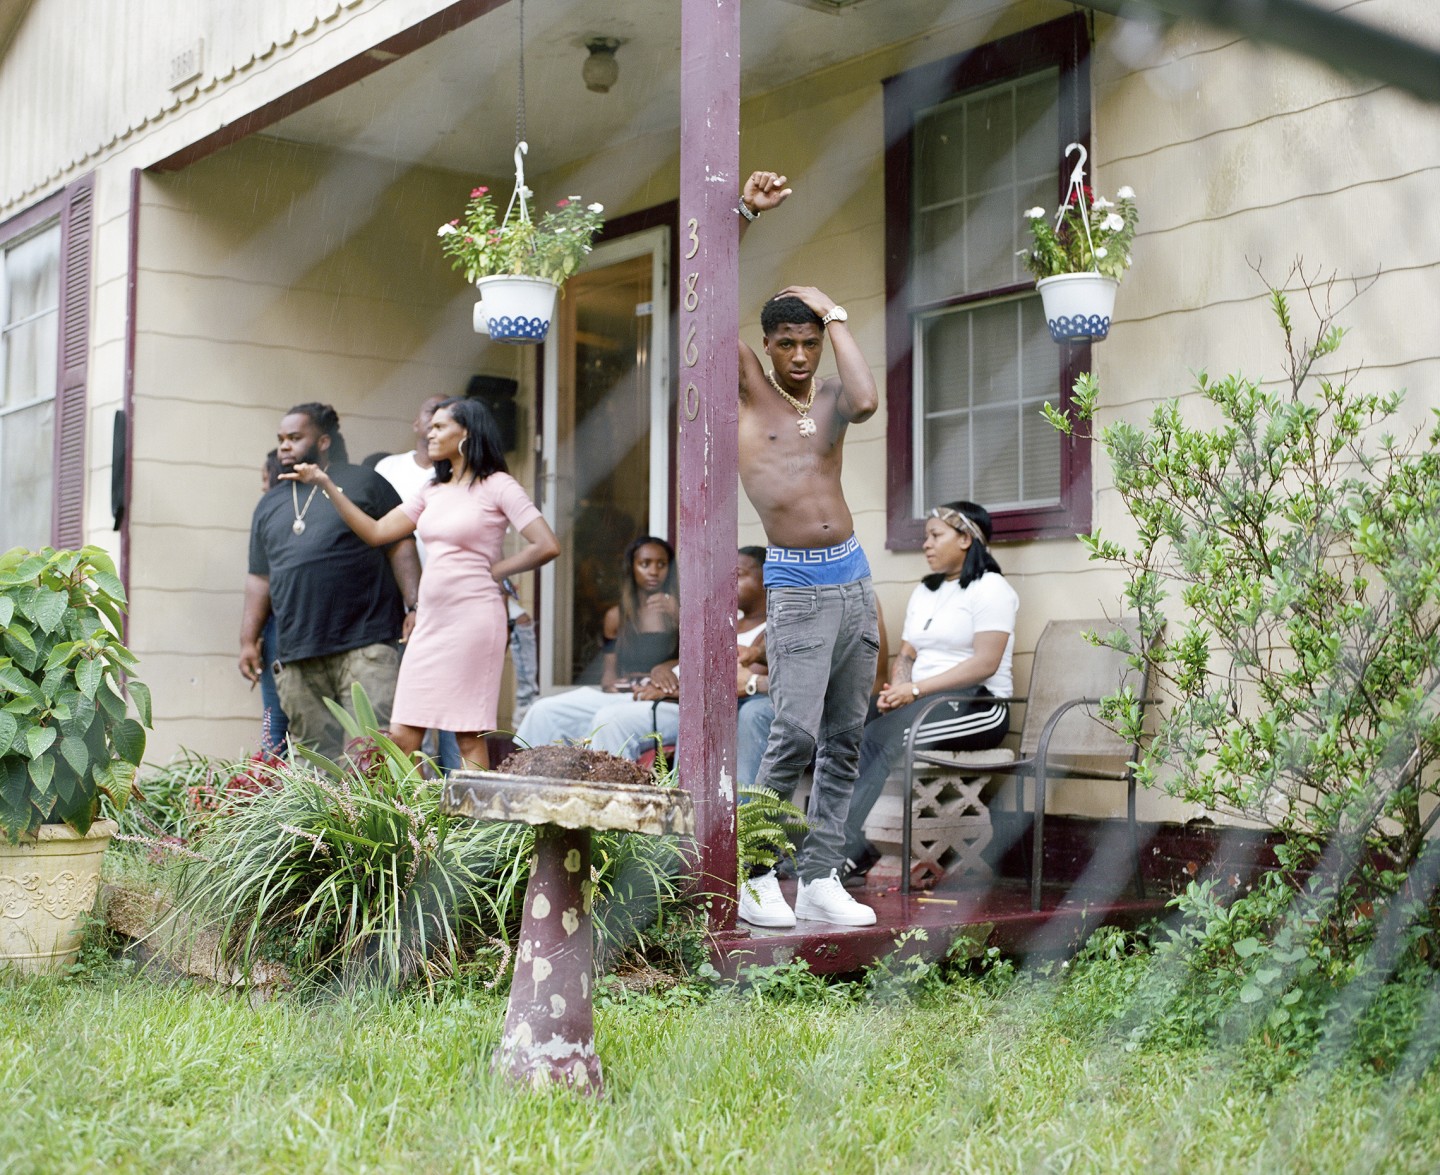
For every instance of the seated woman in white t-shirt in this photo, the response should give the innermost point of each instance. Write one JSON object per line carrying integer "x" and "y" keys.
{"x": 957, "y": 643}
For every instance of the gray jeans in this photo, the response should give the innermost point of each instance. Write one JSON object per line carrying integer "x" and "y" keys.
{"x": 822, "y": 644}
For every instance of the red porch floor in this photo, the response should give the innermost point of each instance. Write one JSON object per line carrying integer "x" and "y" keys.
{"x": 994, "y": 913}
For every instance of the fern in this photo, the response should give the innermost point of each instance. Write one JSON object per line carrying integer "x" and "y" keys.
{"x": 765, "y": 825}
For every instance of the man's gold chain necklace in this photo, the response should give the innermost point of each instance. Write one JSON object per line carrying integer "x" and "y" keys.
{"x": 804, "y": 424}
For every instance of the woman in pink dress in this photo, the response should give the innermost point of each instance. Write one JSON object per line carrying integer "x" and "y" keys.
{"x": 450, "y": 675}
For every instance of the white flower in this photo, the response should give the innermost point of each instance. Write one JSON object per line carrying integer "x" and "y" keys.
{"x": 1101, "y": 203}
{"x": 1113, "y": 223}
{"x": 1126, "y": 193}
{"x": 1102, "y": 252}
{"x": 445, "y": 230}
{"x": 596, "y": 207}
{"x": 573, "y": 199}
{"x": 1127, "y": 260}
{"x": 1033, "y": 213}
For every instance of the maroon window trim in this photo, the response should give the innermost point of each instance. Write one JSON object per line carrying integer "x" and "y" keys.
{"x": 74, "y": 208}
{"x": 1063, "y": 43}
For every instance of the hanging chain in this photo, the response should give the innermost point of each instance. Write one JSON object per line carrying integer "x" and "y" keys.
{"x": 520, "y": 99}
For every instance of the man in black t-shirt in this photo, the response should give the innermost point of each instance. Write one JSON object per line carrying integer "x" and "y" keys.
{"x": 340, "y": 605}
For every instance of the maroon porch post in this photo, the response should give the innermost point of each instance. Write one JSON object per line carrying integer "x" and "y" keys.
{"x": 709, "y": 406}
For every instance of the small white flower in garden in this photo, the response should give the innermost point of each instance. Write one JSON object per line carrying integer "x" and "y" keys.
{"x": 1102, "y": 252}
{"x": 1101, "y": 203}
{"x": 573, "y": 199}
{"x": 596, "y": 207}
{"x": 445, "y": 230}
{"x": 1033, "y": 213}
{"x": 1126, "y": 193}
{"x": 1113, "y": 223}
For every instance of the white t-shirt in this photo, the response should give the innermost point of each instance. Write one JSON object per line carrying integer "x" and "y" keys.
{"x": 400, "y": 470}
{"x": 941, "y": 626}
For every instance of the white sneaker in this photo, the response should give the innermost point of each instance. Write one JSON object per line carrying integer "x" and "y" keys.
{"x": 826, "y": 900}
{"x": 762, "y": 903}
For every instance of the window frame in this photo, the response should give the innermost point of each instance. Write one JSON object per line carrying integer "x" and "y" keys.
{"x": 73, "y": 208}
{"x": 1063, "y": 44}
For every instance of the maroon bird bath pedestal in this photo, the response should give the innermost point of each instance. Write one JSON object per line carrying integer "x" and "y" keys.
{"x": 549, "y": 1025}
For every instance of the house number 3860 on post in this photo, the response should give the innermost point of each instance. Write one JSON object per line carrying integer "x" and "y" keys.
{"x": 691, "y": 401}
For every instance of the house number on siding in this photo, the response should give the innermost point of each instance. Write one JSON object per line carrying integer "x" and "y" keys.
{"x": 691, "y": 401}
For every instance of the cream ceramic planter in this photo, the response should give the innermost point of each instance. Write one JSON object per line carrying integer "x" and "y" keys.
{"x": 1078, "y": 306}
{"x": 514, "y": 309}
{"x": 47, "y": 887}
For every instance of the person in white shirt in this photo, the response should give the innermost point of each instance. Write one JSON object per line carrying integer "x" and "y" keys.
{"x": 957, "y": 643}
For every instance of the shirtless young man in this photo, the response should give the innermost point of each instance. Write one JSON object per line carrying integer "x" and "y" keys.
{"x": 821, "y": 629}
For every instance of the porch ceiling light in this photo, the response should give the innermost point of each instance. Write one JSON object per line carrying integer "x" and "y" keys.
{"x": 826, "y": 5}
{"x": 600, "y": 70}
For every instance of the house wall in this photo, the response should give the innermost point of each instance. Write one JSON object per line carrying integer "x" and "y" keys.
{"x": 1239, "y": 154}
{"x": 270, "y": 274}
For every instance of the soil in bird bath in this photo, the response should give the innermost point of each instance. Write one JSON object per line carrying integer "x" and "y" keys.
{"x": 577, "y": 763}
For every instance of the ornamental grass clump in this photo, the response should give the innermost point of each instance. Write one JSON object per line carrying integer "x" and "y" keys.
{"x": 351, "y": 871}
{"x": 1090, "y": 234}
{"x": 480, "y": 244}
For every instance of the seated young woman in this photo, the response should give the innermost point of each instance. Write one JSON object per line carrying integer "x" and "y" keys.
{"x": 957, "y": 643}
{"x": 637, "y": 700}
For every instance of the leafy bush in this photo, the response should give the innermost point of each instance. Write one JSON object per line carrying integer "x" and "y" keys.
{"x": 1301, "y": 540}
{"x": 66, "y": 737}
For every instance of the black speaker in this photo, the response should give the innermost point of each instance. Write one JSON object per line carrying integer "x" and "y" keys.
{"x": 498, "y": 394}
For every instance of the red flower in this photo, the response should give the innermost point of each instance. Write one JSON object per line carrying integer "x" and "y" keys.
{"x": 454, "y": 222}
{"x": 476, "y": 193}
{"x": 562, "y": 204}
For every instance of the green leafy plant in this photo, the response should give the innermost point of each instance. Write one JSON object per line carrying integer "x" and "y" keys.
{"x": 482, "y": 245}
{"x": 1089, "y": 235}
{"x": 765, "y": 828}
{"x": 1300, "y": 539}
{"x": 66, "y": 736}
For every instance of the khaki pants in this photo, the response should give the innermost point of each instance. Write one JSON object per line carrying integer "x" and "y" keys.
{"x": 304, "y": 686}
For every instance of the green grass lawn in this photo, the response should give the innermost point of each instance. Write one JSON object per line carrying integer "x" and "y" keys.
{"x": 119, "y": 1072}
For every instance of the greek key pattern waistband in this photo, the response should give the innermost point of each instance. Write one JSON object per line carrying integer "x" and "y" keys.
{"x": 813, "y": 555}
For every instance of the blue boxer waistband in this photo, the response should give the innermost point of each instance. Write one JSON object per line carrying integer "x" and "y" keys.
{"x": 815, "y": 566}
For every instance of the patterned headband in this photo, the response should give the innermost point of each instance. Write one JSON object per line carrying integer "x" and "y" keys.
{"x": 959, "y": 521}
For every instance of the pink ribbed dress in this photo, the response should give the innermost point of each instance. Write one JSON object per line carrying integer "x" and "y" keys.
{"x": 450, "y": 674}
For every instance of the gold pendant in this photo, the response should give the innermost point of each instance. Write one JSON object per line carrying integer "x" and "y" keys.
{"x": 806, "y": 426}
{"x": 298, "y": 526}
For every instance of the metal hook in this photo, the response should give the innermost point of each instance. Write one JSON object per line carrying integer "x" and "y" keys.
{"x": 1077, "y": 176}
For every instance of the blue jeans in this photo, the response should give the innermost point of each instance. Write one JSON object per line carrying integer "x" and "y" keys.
{"x": 751, "y": 736}
{"x": 822, "y": 644}
{"x": 612, "y": 722}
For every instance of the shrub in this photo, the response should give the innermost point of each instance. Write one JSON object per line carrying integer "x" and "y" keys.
{"x": 1301, "y": 539}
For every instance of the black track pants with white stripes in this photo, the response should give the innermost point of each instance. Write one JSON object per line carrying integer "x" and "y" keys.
{"x": 971, "y": 722}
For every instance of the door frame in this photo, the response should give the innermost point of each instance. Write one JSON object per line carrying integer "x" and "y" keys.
{"x": 657, "y": 240}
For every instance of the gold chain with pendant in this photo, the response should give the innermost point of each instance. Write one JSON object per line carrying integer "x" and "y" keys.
{"x": 804, "y": 424}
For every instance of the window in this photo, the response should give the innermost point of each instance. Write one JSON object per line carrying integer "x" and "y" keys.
{"x": 29, "y": 362}
{"x": 973, "y": 141}
{"x": 44, "y": 354}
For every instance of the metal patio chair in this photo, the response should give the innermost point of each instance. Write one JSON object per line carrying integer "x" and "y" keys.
{"x": 1061, "y": 737}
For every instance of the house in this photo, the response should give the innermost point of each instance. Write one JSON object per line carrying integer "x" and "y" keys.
{"x": 209, "y": 212}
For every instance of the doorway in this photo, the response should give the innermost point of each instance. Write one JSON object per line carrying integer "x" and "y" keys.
{"x": 605, "y": 452}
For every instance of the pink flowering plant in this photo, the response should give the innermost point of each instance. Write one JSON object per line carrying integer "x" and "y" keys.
{"x": 1062, "y": 245}
{"x": 482, "y": 245}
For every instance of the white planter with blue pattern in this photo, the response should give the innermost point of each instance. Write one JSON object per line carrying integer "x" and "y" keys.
{"x": 515, "y": 309}
{"x": 1078, "y": 306}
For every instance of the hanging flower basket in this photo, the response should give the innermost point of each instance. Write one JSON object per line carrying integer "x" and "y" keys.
{"x": 515, "y": 309}
{"x": 517, "y": 263}
{"x": 1078, "y": 306}
{"x": 1080, "y": 259}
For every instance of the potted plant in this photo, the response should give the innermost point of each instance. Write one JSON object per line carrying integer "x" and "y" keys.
{"x": 516, "y": 263}
{"x": 1080, "y": 257}
{"x": 66, "y": 739}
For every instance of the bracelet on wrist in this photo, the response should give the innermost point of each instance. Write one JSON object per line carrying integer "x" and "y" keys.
{"x": 746, "y": 211}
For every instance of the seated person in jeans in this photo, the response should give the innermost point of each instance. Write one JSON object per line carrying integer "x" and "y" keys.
{"x": 957, "y": 643}
{"x": 637, "y": 701}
